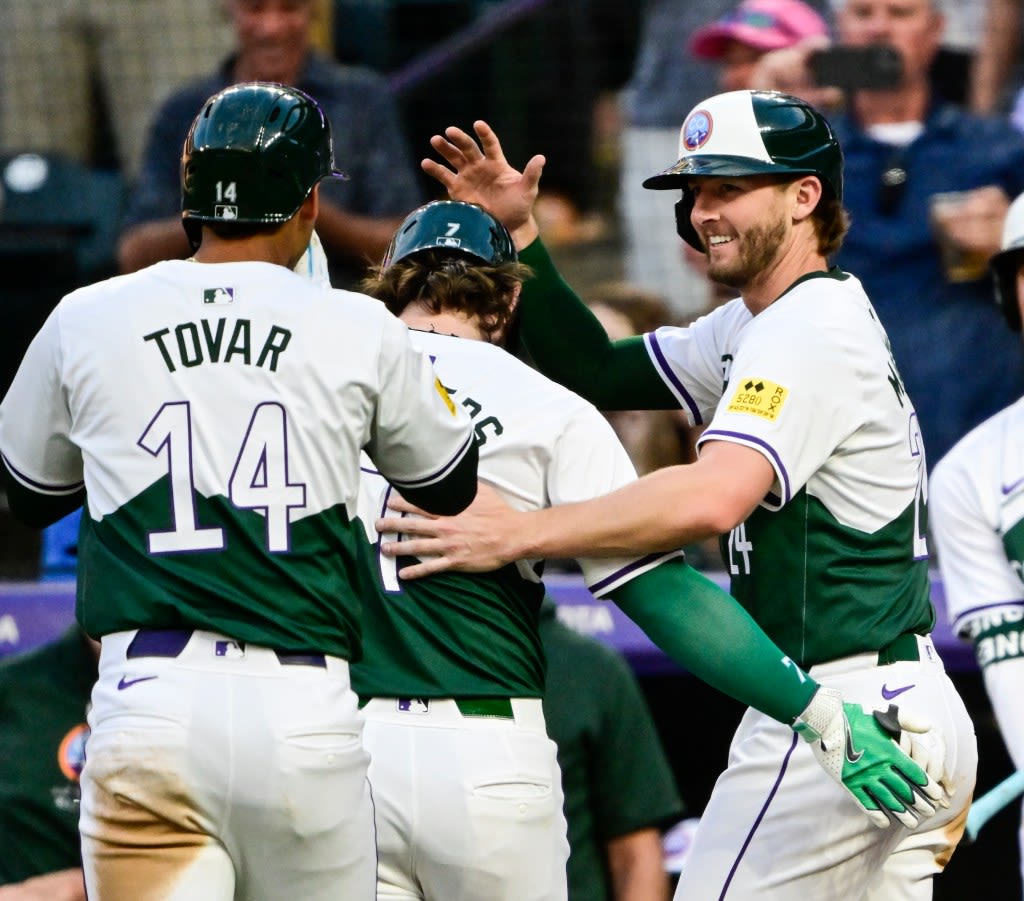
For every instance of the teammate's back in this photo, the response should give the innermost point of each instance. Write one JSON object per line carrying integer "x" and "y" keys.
{"x": 460, "y": 634}
{"x": 220, "y": 429}
{"x": 211, "y": 414}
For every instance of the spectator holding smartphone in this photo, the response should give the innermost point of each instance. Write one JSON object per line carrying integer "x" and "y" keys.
{"x": 909, "y": 154}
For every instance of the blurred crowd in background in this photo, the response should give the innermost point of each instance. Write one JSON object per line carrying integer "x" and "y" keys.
{"x": 97, "y": 95}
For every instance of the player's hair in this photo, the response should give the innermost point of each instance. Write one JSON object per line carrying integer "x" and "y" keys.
{"x": 443, "y": 281}
{"x": 831, "y": 223}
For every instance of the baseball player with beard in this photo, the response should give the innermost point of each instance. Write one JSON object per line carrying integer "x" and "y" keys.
{"x": 810, "y": 467}
{"x": 977, "y": 518}
{"x": 210, "y": 413}
{"x": 465, "y": 779}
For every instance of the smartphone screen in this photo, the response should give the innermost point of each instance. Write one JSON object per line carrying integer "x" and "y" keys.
{"x": 856, "y": 68}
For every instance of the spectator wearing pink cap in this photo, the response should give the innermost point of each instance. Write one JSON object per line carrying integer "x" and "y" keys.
{"x": 742, "y": 36}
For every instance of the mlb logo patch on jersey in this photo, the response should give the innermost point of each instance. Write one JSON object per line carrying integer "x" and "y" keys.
{"x": 232, "y": 650}
{"x": 758, "y": 397}
{"x": 219, "y": 295}
{"x": 413, "y": 705}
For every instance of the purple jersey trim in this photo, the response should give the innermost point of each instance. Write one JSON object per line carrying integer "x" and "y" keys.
{"x": 442, "y": 472}
{"x": 970, "y": 612}
{"x": 41, "y": 487}
{"x": 769, "y": 451}
{"x": 625, "y": 571}
{"x": 661, "y": 361}
{"x": 760, "y": 816}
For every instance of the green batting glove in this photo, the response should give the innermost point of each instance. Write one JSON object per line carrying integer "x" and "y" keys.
{"x": 861, "y": 751}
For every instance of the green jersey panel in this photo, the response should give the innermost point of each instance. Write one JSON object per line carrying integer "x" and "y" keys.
{"x": 306, "y": 599}
{"x": 453, "y": 635}
{"x": 823, "y": 590}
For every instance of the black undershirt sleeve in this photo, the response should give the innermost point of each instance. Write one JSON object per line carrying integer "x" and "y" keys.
{"x": 453, "y": 493}
{"x": 34, "y": 509}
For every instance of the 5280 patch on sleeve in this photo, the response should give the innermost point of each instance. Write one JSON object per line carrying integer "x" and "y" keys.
{"x": 759, "y": 397}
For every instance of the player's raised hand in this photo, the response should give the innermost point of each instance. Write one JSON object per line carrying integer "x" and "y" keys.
{"x": 861, "y": 751}
{"x": 480, "y": 174}
{"x": 479, "y": 539}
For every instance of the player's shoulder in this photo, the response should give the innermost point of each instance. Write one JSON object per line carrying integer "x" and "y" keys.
{"x": 826, "y": 297}
{"x": 988, "y": 441}
{"x": 717, "y": 326}
{"x": 83, "y": 299}
{"x": 496, "y": 363}
{"x": 356, "y": 305}
{"x": 992, "y": 432}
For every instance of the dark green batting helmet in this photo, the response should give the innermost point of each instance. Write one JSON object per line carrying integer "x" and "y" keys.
{"x": 253, "y": 155}
{"x": 452, "y": 225}
{"x": 750, "y": 133}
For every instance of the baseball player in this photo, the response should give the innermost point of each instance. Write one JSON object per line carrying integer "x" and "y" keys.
{"x": 465, "y": 779}
{"x": 211, "y": 414}
{"x": 810, "y": 465}
{"x": 977, "y": 519}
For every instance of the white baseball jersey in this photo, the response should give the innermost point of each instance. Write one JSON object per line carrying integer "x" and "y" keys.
{"x": 833, "y": 562}
{"x": 539, "y": 445}
{"x": 216, "y": 414}
{"x": 977, "y": 519}
{"x": 832, "y": 565}
{"x": 470, "y": 806}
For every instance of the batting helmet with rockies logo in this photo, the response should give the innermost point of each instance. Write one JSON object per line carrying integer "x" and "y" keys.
{"x": 750, "y": 133}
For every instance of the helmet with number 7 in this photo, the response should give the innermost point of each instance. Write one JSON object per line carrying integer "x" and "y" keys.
{"x": 253, "y": 154}
{"x": 455, "y": 226}
{"x": 1005, "y": 264}
{"x": 750, "y": 133}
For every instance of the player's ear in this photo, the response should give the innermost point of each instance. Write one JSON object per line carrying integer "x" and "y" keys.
{"x": 310, "y": 208}
{"x": 806, "y": 195}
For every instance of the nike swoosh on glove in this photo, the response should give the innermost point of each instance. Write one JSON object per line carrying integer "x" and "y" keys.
{"x": 861, "y": 750}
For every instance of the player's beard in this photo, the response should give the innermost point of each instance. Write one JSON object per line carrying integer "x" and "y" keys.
{"x": 757, "y": 249}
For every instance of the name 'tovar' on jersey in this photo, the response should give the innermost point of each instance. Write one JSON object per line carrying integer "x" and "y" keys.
{"x": 190, "y": 344}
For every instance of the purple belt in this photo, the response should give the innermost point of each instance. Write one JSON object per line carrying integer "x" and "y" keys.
{"x": 171, "y": 642}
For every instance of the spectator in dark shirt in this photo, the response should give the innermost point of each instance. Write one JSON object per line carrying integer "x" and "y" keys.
{"x": 357, "y": 216}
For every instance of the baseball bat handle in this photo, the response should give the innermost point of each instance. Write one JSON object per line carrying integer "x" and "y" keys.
{"x": 994, "y": 800}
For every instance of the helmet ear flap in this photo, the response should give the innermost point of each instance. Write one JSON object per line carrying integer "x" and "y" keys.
{"x": 684, "y": 227}
{"x": 1003, "y": 268}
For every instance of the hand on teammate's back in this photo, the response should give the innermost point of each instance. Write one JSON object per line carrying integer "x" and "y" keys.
{"x": 867, "y": 753}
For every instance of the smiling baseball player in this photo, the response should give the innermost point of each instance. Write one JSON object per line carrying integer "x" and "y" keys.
{"x": 465, "y": 779}
{"x": 810, "y": 467}
{"x": 212, "y": 412}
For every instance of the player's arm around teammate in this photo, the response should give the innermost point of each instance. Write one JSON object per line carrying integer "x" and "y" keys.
{"x": 798, "y": 385}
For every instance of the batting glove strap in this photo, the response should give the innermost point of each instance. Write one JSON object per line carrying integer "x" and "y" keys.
{"x": 860, "y": 751}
